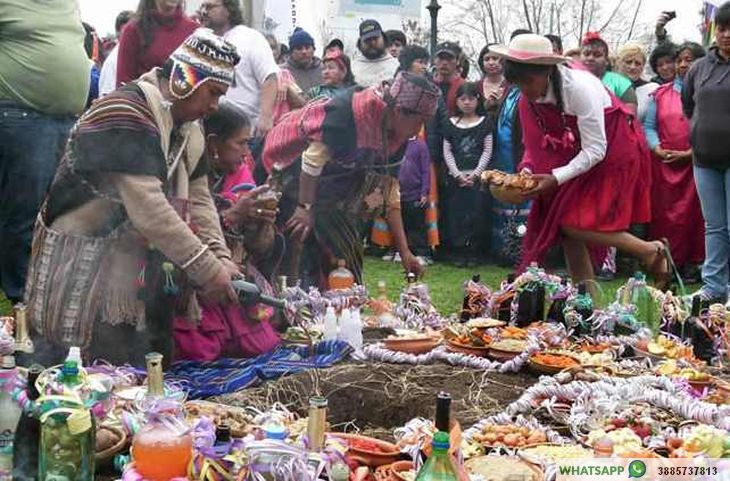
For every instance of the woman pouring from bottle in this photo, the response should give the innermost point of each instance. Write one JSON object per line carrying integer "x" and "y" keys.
{"x": 588, "y": 157}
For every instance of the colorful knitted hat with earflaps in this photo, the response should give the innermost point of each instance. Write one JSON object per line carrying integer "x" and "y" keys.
{"x": 202, "y": 57}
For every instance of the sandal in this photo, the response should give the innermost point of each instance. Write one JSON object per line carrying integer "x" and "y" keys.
{"x": 663, "y": 279}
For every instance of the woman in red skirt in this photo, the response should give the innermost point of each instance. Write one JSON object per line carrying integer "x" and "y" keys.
{"x": 589, "y": 157}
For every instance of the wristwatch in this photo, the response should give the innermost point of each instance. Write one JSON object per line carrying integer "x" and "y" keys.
{"x": 305, "y": 206}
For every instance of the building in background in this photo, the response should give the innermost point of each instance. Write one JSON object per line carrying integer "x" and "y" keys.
{"x": 328, "y": 19}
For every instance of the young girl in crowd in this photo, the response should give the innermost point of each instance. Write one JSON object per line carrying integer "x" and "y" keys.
{"x": 414, "y": 178}
{"x": 467, "y": 150}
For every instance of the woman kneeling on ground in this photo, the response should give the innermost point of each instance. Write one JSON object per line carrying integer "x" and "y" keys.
{"x": 589, "y": 158}
{"x": 247, "y": 217}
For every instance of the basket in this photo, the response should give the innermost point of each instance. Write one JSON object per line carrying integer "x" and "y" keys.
{"x": 103, "y": 458}
{"x": 506, "y": 194}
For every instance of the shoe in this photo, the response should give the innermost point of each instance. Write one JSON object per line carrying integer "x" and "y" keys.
{"x": 388, "y": 257}
{"x": 706, "y": 297}
{"x": 422, "y": 260}
{"x": 606, "y": 276}
{"x": 428, "y": 260}
{"x": 396, "y": 257}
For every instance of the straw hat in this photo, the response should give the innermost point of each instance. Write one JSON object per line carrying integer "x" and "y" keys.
{"x": 529, "y": 48}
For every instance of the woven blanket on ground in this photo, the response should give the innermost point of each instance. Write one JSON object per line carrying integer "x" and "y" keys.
{"x": 206, "y": 379}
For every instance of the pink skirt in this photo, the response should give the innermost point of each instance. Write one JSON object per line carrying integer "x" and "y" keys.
{"x": 225, "y": 331}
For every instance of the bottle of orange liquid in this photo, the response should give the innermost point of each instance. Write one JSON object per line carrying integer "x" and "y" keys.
{"x": 342, "y": 277}
{"x": 161, "y": 451}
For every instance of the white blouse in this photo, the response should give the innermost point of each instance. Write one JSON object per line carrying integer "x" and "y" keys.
{"x": 584, "y": 97}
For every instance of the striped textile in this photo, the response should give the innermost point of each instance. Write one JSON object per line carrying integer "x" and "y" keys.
{"x": 225, "y": 376}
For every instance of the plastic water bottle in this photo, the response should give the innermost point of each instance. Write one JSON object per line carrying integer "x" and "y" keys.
{"x": 345, "y": 333}
{"x": 330, "y": 324}
{"x": 74, "y": 354}
{"x": 356, "y": 338}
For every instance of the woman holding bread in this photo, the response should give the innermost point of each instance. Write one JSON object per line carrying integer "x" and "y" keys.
{"x": 589, "y": 161}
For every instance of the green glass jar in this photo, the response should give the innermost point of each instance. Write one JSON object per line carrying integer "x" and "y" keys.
{"x": 67, "y": 446}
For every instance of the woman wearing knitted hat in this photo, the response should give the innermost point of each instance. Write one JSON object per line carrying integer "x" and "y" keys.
{"x": 332, "y": 159}
{"x": 588, "y": 157}
{"x": 129, "y": 231}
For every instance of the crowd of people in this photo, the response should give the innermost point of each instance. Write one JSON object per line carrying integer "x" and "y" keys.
{"x": 148, "y": 175}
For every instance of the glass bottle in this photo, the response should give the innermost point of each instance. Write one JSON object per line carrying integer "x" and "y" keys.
{"x": 504, "y": 309}
{"x": 584, "y": 308}
{"x": 342, "y": 277}
{"x": 439, "y": 466}
{"x": 469, "y": 294}
{"x": 443, "y": 412}
{"x": 249, "y": 293}
{"x": 68, "y": 434}
{"x": 161, "y": 450}
{"x": 556, "y": 313}
{"x": 531, "y": 304}
{"x": 23, "y": 344}
{"x": 10, "y": 413}
{"x": 637, "y": 293}
{"x": 382, "y": 291}
{"x": 28, "y": 434}
{"x": 316, "y": 423}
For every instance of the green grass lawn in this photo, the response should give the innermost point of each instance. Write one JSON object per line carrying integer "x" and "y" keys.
{"x": 5, "y": 306}
{"x": 444, "y": 280}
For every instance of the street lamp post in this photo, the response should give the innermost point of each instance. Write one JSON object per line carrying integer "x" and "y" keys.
{"x": 433, "y": 9}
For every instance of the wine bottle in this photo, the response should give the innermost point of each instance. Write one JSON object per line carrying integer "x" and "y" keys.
{"x": 531, "y": 304}
{"x": 556, "y": 313}
{"x": 249, "y": 293}
{"x": 28, "y": 435}
{"x": 700, "y": 333}
{"x": 443, "y": 412}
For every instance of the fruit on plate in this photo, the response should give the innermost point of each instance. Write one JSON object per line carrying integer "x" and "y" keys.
{"x": 641, "y": 428}
{"x": 554, "y": 360}
{"x": 666, "y": 347}
{"x": 694, "y": 375}
{"x": 512, "y": 332}
{"x": 509, "y": 435}
{"x": 624, "y": 440}
{"x": 711, "y": 441}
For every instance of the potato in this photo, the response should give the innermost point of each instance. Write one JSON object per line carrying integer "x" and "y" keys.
{"x": 536, "y": 437}
{"x": 510, "y": 440}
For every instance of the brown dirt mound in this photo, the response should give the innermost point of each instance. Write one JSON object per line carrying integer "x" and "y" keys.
{"x": 376, "y": 398}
